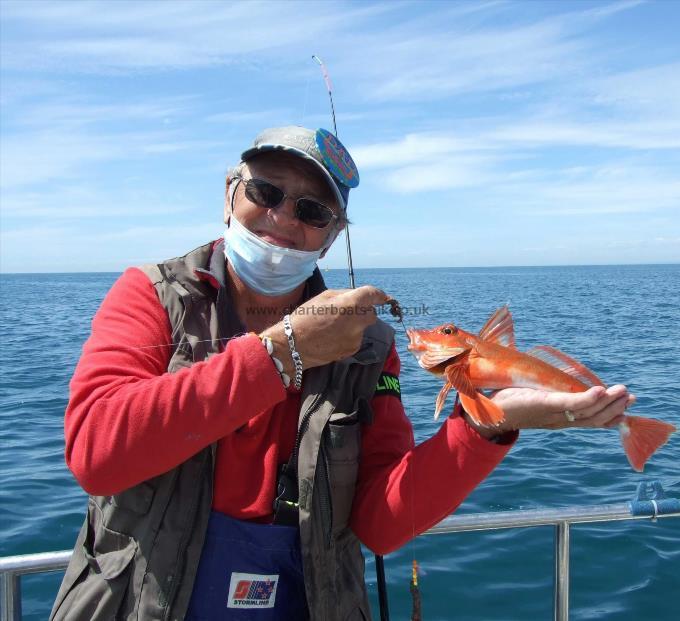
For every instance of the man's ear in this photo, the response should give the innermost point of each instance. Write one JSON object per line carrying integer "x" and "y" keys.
{"x": 332, "y": 237}
{"x": 228, "y": 191}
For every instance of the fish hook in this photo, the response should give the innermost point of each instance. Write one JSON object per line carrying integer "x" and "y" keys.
{"x": 395, "y": 311}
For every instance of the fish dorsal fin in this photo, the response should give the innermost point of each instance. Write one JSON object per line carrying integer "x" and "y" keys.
{"x": 499, "y": 329}
{"x": 560, "y": 360}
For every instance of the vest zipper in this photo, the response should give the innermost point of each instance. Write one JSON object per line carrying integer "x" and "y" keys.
{"x": 325, "y": 503}
{"x": 325, "y": 488}
{"x": 304, "y": 423}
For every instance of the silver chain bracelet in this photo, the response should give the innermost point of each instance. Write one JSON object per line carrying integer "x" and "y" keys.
{"x": 297, "y": 361}
{"x": 269, "y": 346}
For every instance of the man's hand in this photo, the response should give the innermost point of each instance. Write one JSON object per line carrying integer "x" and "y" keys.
{"x": 328, "y": 327}
{"x": 526, "y": 408}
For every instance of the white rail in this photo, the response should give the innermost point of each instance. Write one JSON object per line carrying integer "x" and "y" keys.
{"x": 13, "y": 567}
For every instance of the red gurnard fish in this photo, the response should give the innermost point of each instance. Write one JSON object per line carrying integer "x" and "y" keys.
{"x": 490, "y": 361}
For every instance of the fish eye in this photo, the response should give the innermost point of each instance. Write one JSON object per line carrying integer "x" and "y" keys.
{"x": 448, "y": 330}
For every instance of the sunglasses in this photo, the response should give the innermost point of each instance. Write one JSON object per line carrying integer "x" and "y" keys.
{"x": 308, "y": 211}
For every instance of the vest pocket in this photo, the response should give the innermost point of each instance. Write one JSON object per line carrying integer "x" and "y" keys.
{"x": 343, "y": 447}
{"x": 97, "y": 578}
{"x": 349, "y": 579}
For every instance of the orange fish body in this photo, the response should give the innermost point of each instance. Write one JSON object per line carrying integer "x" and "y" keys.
{"x": 494, "y": 367}
{"x": 490, "y": 361}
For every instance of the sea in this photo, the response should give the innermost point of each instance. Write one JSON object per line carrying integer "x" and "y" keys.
{"x": 622, "y": 321}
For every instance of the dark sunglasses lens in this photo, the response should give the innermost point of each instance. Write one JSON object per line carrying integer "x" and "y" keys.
{"x": 263, "y": 193}
{"x": 313, "y": 214}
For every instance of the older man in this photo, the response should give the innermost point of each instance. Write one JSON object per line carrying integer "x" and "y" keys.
{"x": 230, "y": 419}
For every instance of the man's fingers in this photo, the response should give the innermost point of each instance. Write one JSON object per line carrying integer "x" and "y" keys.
{"x": 370, "y": 296}
{"x": 604, "y": 416}
{"x": 572, "y": 401}
{"x": 614, "y": 394}
{"x": 585, "y": 404}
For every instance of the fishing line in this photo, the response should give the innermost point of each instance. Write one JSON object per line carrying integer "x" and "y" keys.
{"x": 221, "y": 340}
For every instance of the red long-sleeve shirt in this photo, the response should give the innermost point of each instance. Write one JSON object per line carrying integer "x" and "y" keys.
{"x": 129, "y": 420}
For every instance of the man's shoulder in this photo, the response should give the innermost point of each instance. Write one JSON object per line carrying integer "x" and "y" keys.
{"x": 199, "y": 256}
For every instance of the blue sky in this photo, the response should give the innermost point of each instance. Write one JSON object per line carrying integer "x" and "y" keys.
{"x": 486, "y": 133}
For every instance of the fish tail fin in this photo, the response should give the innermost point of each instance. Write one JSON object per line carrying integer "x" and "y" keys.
{"x": 482, "y": 410}
{"x": 641, "y": 437}
{"x": 441, "y": 398}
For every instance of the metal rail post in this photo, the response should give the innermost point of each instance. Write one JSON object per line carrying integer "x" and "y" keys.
{"x": 10, "y": 596}
{"x": 561, "y": 586}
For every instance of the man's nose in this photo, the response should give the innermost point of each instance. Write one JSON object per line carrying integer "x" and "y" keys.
{"x": 285, "y": 212}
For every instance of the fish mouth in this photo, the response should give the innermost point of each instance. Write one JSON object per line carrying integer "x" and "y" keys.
{"x": 416, "y": 345}
{"x": 415, "y": 341}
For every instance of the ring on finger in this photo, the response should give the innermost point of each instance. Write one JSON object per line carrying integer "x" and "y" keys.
{"x": 569, "y": 415}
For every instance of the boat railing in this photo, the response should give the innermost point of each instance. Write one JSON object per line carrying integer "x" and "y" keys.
{"x": 650, "y": 503}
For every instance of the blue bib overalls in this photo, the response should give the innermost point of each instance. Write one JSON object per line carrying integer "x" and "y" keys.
{"x": 248, "y": 571}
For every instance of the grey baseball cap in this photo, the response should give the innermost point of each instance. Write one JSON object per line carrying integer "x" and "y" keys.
{"x": 317, "y": 146}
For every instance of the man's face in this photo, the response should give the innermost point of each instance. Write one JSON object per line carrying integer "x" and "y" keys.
{"x": 279, "y": 226}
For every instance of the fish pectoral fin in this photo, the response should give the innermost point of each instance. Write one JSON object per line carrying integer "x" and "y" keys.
{"x": 433, "y": 358}
{"x": 499, "y": 329}
{"x": 459, "y": 378}
{"x": 441, "y": 398}
{"x": 558, "y": 359}
{"x": 482, "y": 410}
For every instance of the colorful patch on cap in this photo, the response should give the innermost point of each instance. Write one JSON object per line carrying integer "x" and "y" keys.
{"x": 337, "y": 159}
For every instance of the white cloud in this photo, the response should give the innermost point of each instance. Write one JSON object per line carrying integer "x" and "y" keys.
{"x": 36, "y": 157}
{"x": 442, "y": 173}
{"x": 73, "y": 112}
{"x": 71, "y": 249}
{"x": 44, "y": 155}
{"x": 440, "y": 54}
{"x": 625, "y": 187}
{"x": 124, "y": 35}
{"x": 645, "y": 134}
{"x": 419, "y": 148}
{"x": 247, "y": 116}
{"x": 81, "y": 201}
{"x": 652, "y": 90}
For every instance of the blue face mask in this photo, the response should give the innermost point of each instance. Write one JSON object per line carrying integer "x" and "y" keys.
{"x": 264, "y": 267}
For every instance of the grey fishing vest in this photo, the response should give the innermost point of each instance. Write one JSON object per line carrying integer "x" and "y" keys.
{"x": 137, "y": 553}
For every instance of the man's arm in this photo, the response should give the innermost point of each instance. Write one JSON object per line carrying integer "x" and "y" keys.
{"x": 128, "y": 419}
{"x": 404, "y": 489}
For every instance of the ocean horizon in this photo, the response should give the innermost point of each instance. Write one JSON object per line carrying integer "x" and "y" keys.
{"x": 429, "y": 267}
